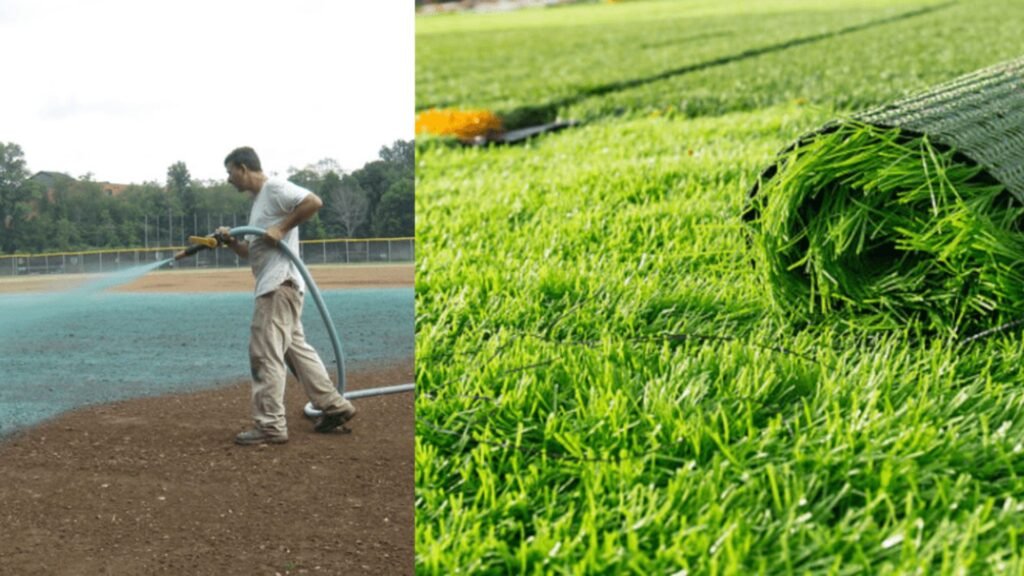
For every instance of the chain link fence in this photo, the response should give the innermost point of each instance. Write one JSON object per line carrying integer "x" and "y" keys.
{"x": 313, "y": 252}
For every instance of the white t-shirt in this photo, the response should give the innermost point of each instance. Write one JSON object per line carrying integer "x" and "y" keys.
{"x": 274, "y": 202}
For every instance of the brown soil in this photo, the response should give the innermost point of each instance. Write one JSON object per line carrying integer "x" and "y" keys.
{"x": 225, "y": 279}
{"x": 156, "y": 485}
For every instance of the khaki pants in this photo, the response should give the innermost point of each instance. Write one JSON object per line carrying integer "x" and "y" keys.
{"x": 277, "y": 338}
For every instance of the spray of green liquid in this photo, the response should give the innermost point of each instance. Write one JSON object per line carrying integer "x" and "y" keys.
{"x": 117, "y": 278}
{"x": 19, "y": 313}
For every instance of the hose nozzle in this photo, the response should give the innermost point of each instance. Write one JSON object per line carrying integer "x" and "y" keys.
{"x": 206, "y": 241}
{"x": 200, "y": 243}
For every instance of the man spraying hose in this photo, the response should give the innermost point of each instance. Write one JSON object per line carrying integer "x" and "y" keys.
{"x": 277, "y": 340}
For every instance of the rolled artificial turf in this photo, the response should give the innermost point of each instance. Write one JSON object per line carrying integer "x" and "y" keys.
{"x": 909, "y": 213}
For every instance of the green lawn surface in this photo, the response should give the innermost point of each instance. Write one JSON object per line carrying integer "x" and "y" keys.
{"x": 603, "y": 383}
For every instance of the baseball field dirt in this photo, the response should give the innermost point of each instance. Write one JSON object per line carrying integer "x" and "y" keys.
{"x": 156, "y": 485}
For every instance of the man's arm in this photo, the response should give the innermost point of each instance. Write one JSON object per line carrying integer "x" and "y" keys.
{"x": 309, "y": 206}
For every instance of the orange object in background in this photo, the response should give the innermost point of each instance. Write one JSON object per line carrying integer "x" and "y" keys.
{"x": 463, "y": 124}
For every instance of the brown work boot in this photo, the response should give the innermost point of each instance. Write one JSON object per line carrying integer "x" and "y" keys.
{"x": 329, "y": 422}
{"x": 257, "y": 436}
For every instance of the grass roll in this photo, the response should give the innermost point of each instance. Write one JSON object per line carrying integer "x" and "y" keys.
{"x": 907, "y": 213}
{"x": 891, "y": 229}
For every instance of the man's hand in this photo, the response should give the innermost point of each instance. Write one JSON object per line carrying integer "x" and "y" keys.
{"x": 304, "y": 211}
{"x": 240, "y": 248}
{"x": 225, "y": 234}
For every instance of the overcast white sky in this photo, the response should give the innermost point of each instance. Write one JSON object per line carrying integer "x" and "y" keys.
{"x": 124, "y": 89}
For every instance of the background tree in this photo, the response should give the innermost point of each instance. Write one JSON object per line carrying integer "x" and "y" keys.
{"x": 401, "y": 154}
{"x": 221, "y": 198}
{"x": 51, "y": 211}
{"x": 314, "y": 229}
{"x": 326, "y": 166}
{"x": 396, "y": 163}
{"x": 65, "y": 236}
{"x": 13, "y": 196}
{"x": 396, "y": 209}
{"x": 321, "y": 178}
{"x": 32, "y": 228}
{"x": 86, "y": 202}
{"x": 179, "y": 184}
{"x": 305, "y": 177}
{"x": 374, "y": 178}
{"x": 105, "y": 234}
{"x": 346, "y": 203}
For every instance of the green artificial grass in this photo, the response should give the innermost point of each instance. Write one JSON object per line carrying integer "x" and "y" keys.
{"x": 891, "y": 230}
{"x": 690, "y": 58}
{"x": 603, "y": 386}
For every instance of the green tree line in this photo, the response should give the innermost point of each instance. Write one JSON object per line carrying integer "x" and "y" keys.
{"x": 49, "y": 211}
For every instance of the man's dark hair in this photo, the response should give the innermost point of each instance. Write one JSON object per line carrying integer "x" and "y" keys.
{"x": 244, "y": 156}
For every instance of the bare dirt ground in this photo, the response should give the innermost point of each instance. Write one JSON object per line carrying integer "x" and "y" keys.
{"x": 224, "y": 279}
{"x": 156, "y": 486}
